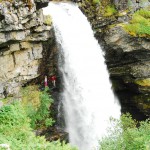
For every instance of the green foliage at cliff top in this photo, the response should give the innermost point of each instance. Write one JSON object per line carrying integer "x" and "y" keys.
{"x": 126, "y": 135}
{"x": 140, "y": 23}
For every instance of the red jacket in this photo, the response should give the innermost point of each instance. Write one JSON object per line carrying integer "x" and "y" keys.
{"x": 53, "y": 78}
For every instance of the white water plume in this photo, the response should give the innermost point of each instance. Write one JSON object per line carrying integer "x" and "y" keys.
{"x": 87, "y": 97}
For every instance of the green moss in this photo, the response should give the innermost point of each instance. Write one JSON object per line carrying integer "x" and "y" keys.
{"x": 110, "y": 10}
{"x": 140, "y": 24}
{"x": 96, "y": 1}
{"x": 106, "y": 3}
{"x": 143, "y": 82}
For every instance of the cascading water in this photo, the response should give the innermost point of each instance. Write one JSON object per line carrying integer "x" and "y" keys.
{"x": 87, "y": 97}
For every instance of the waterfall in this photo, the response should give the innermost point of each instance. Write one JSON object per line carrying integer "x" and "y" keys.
{"x": 87, "y": 97}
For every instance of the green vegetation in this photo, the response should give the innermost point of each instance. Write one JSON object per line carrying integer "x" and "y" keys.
{"x": 126, "y": 135}
{"x": 140, "y": 23}
{"x": 17, "y": 118}
{"x": 37, "y": 106}
{"x": 96, "y": 1}
{"x": 110, "y": 10}
{"x": 15, "y": 131}
{"x": 143, "y": 82}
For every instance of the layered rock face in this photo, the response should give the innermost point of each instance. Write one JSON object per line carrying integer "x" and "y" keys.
{"x": 127, "y": 57}
{"x": 129, "y": 66}
{"x": 22, "y": 33}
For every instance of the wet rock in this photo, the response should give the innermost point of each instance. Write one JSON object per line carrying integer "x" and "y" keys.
{"x": 1, "y": 92}
{"x": 53, "y": 134}
{"x": 41, "y": 3}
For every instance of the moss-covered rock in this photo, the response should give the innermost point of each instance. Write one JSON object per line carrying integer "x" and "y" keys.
{"x": 127, "y": 53}
{"x": 143, "y": 82}
{"x": 139, "y": 24}
{"x": 142, "y": 101}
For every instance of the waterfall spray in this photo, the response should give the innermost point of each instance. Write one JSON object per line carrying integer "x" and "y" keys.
{"x": 87, "y": 97}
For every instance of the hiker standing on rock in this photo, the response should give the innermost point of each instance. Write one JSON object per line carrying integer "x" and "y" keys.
{"x": 45, "y": 81}
{"x": 53, "y": 80}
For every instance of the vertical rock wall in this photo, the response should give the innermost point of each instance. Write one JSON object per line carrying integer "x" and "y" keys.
{"x": 127, "y": 57}
{"x": 22, "y": 33}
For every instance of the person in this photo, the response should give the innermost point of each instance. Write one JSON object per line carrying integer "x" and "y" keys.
{"x": 45, "y": 81}
{"x": 53, "y": 80}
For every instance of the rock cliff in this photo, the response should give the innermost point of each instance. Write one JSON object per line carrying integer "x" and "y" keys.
{"x": 27, "y": 47}
{"x": 23, "y": 30}
{"x": 127, "y": 56}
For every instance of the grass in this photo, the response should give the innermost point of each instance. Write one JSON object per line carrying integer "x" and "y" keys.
{"x": 140, "y": 24}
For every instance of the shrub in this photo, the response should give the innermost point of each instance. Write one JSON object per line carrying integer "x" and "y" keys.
{"x": 37, "y": 106}
{"x": 126, "y": 136}
{"x": 15, "y": 129}
{"x": 16, "y": 132}
{"x": 43, "y": 113}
